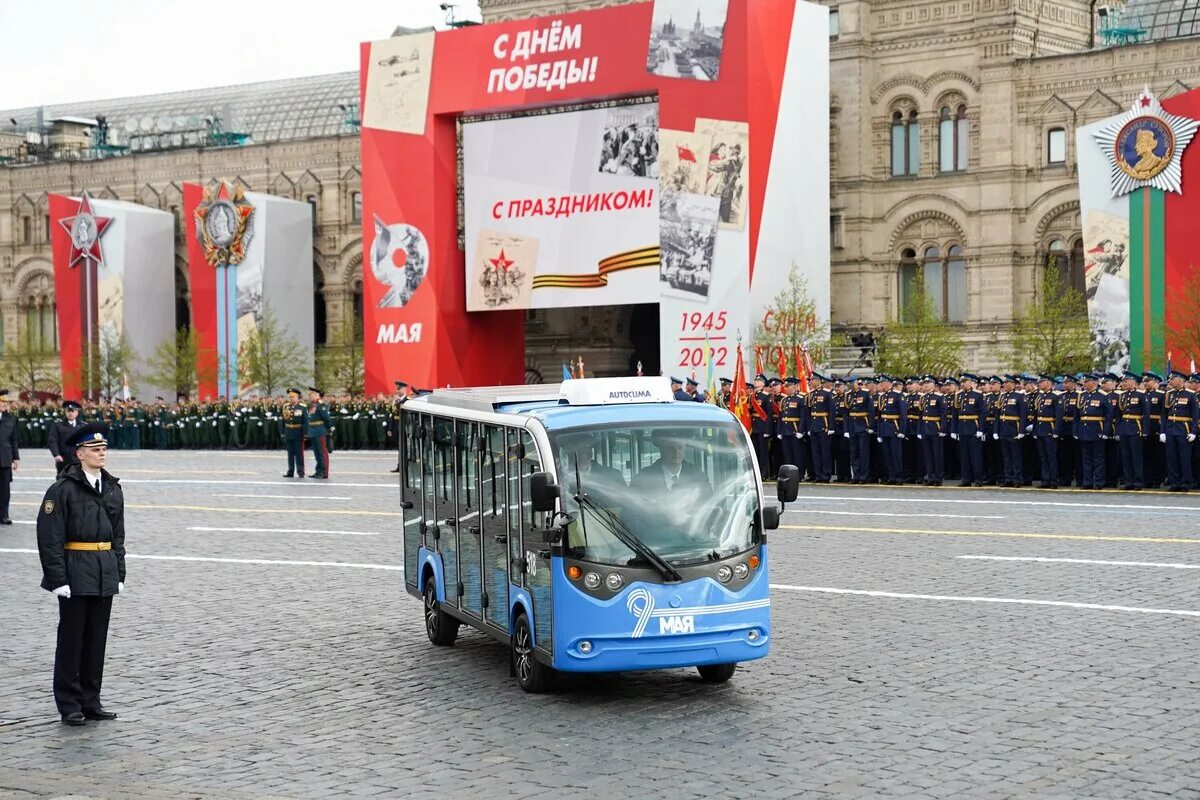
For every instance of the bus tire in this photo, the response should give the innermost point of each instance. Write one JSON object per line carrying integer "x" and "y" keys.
{"x": 716, "y": 673}
{"x": 532, "y": 675}
{"x": 440, "y": 627}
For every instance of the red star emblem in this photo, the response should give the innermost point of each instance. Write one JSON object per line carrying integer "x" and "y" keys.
{"x": 1145, "y": 101}
{"x": 85, "y": 230}
{"x": 500, "y": 262}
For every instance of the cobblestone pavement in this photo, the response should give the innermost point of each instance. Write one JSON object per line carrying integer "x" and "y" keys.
{"x": 900, "y": 667}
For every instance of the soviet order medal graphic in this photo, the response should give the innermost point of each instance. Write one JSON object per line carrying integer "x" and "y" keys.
{"x": 224, "y": 225}
{"x": 85, "y": 230}
{"x": 1144, "y": 147}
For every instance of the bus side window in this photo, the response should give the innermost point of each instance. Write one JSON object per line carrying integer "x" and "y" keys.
{"x": 512, "y": 449}
{"x": 428, "y": 489}
{"x": 466, "y": 457}
{"x": 531, "y": 463}
{"x": 495, "y": 526}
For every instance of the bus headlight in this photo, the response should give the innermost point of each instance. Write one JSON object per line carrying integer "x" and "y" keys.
{"x": 741, "y": 571}
{"x": 592, "y": 580}
{"x": 614, "y": 581}
{"x": 724, "y": 574}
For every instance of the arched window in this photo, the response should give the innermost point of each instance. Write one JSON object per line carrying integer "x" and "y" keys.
{"x": 908, "y": 277}
{"x": 1075, "y": 273}
{"x": 956, "y": 285}
{"x": 356, "y": 207}
{"x": 1056, "y": 261}
{"x": 953, "y": 139}
{"x": 358, "y": 299}
{"x": 26, "y": 230}
{"x": 935, "y": 278}
{"x": 41, "y": 325}
{"x": 906, "y": 143}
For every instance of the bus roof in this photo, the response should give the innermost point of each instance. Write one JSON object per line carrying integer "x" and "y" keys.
{"x": 582, "y": 402}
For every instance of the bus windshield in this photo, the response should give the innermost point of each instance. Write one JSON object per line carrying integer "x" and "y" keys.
{"x": 687, "y": 492}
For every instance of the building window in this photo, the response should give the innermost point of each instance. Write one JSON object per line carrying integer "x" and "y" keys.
{"x": 953, "y": 139}
{"x": 943, "y": 274}
{"x": 319, "y": 332}
{"x": 906, "y": 144}
{"x": 1066, "y": 266}
{"x": 356, "y": 207}
{"x": 178, "y": 223}
{"x": 358, "y": 300}
{"x": 835, "y": 230}
{"x": 834, "y": 27}
{"x": 40, "y": 325}
{"x": 1056, "y": 146}
{"x": 312, "y": 204}
{"x": 26, "y": 230}
{"x": 46, "y": 223}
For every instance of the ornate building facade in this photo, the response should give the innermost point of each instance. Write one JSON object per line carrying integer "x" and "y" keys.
{"x": 951, "y": 144}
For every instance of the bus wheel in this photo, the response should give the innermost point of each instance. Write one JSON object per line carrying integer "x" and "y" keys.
{"x": 716, "y": 673}
{"x": 532, "y": 675}
{"x": 440, "y": 627}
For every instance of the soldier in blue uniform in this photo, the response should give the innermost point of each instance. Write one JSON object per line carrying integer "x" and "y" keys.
{"x": 295, "y": 428}
{"x": 910, "y": 449}
{"x": 933, "y": 429}
{"x": 1010, "y": 431}
{"x": 892, "y": 424}
{"x": 1153, "y": 460}
{"x": 822, "y": 404}
{"x": 1130, "y": 426}
{"x": 953, "y": 395}
{"x": 841, "y": 447}
{"x": 1092, "y": 426}
{"x": 319, "y": 423}
{"x": 993, "y": 468}
{"x": 859, "y": 416}
{"x": 1180, "y": 421}
{"x": 1112, "y": 448}
{"x": 1047, "y": 428}
{"x": 1030, "y": 467}
{"x": 1068, "y": 448}
{"x": 970, "y": 428}
{"x": 693, "y": 391}
{"x": 677, "y": 389}
{"x": 791, "y": 425}
{"x": 762, "y": 425}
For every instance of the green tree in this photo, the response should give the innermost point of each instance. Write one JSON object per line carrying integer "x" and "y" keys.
{"x": 1052, "y": 336}
{"x": 791, "y": 321}
{"x": 116, "y": 363}
{"x": 340, "y": 363}
{"x": 29, "y": 367}
{"x": 920, "y": 342}
{"x": 173, "y": 364}
{"x": 271, "y": 359}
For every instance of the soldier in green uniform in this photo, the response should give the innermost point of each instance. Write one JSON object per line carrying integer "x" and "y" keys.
{"x": 295, "y": 428}
{"x": 319, "y": 423}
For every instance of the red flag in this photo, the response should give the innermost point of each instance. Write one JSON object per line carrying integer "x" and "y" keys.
{"x": 759, "y": 369}
{"x": 783, "y": 370}
{"x": 801, "y": 372}
{"x": 738, "y": 399}
{"x": 685, "y": 154}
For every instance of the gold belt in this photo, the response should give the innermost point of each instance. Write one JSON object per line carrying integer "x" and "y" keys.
{"x": 1091, "y": 419}
{"x": 1131, "y": 416}
{"x": 87, "y": 546}
{"x": 891, "y": 416}
{"x": 1010, "y": 419}
{"x": 791, "y": 419}
{"x": 292, "y": 426}
{"x": 1180, "y": 419}
{"x": 858, "y": 413}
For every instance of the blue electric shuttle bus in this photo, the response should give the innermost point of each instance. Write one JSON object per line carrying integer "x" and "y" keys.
{"x": 596, "y": 526}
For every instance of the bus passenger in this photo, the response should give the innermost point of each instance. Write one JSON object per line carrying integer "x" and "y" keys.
{"x": 670, "y": 474}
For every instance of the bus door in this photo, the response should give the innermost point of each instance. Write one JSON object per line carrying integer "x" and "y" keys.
{"x": 470, "y": 554}
{"x": 445, "y": 513}
{"x": 528, "y": 550}
{"x": 410, "y": 493}
{"x": 493, "y": 487}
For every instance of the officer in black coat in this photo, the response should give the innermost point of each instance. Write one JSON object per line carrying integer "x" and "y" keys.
{"x": 81, "y": 541}
{"x": 63, "y": 430}
{"x": 10, "y": 455}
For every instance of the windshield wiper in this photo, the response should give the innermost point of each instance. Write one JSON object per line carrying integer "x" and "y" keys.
{"x": 628, "y": 538}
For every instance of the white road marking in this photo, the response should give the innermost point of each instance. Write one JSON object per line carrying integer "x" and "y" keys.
{"x": 1003, "y": 502}
{"x": 290, "y": 496}
{"x": 386, "y": 567}
{"x": 394, "y": 485}
{"x": 908, "y": 516}
{"x": 1001, "y": 600}
{"x": 1160, "y": 564}
{"x": 283, "y": 530}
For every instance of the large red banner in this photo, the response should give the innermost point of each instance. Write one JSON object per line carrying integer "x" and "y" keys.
{"x": 410, "y": 184}
{"x": 1181, "y": 231}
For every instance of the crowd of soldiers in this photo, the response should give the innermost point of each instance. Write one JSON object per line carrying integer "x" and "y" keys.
{"x": 356, "y": 423}
{"x": 1094, "y": 431}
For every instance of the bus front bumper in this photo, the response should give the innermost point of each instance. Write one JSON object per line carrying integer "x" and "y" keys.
{"x": 617, "y": 654}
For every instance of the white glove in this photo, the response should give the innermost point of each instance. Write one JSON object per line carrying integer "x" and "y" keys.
{"x": 831, "y": 433}
{"x": 779, "y": 436}
{"x": 1162, "y": 437}
{"x": 1028, "y": 428}
{"x": 1020, "y": 436}
{"x": 980, "y": 435}
{"x": 900, "y": 435}
{"x": 120, "y": 586}
{"x": 846, "y": 435}
{"x": 879, "y": 439}
{"x": 954, "y": 436}
{"x": 1191, "y": 437}
{"x": 63, "y": 592}
{"x": 943, "y": 436}
{"x": 996, "y": 436}
{"x": 919, "y": 436}
{"x": 799, "y": 435}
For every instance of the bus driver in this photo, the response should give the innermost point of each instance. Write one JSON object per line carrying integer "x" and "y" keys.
{"x": 670, "y": 475}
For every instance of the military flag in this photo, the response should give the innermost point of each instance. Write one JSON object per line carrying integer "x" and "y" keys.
{"x": 739, "y": 400}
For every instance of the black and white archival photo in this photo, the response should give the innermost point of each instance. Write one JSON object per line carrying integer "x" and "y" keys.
{"x": 630, "y": 143}
{"x": 686, "y": 37}
{"x": 687, "y": 235}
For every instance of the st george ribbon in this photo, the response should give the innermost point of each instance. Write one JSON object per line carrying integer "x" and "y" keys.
{"x": 224, "y": 227}
{"x": 85, "y": 230}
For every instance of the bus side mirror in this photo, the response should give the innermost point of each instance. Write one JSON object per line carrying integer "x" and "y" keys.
{"x": 770, "y": 517}
{"x": 788, "y": 484}
{"x": 543, "y": 491}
